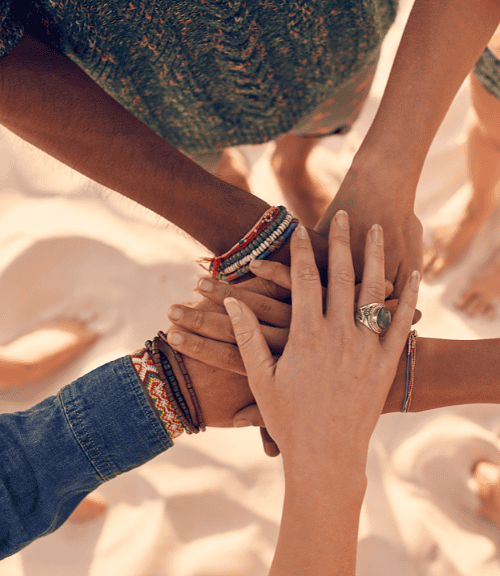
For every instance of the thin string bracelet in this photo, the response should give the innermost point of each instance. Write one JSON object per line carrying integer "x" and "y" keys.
{"x": 411, "y": 357}
{"x": 187, "y": 381}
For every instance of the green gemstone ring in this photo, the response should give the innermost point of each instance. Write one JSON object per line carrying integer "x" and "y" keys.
{"x": 376, "y": 317}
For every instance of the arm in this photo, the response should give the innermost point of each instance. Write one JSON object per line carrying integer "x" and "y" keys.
{"x": 47, "y": 100}
{"x": 441, "y": 43}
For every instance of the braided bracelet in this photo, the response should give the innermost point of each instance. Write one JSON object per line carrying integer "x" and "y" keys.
{"x": 411, "y": 357}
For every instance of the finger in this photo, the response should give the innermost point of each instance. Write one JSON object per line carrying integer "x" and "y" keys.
{"x": 209, "y": 324}
{"x": 265, "y": 287}
{"x": 248, "y": 416}
{"x": 373, "y": 285}
{"x": 266, "y": 309}
{"x": 396, "y": 335}
{"x": 340, "y": 271}
{"x": 270, "y": 446}
{"x": 257, "y": 358}
{"x": 218, "y": 354}
{"x": 273, "y": 271}
{"x": 392, "y": 306}
{"x": 218, "y": 327}
{"x": 307, "y": 299}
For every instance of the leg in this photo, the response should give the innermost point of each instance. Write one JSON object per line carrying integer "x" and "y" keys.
{"x": 450, "y": 244}
{"x": 487, "y": 476}
{"x": 304, "y": 194}
{"x": 17, "y": 372}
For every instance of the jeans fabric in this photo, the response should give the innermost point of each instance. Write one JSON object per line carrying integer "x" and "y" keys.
{"x": 56, "y": 453}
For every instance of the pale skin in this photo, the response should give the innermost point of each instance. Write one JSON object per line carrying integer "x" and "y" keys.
{"x": 323, "y": 496}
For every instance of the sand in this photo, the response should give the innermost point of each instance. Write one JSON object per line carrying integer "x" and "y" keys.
{"x": 211, "y": 505}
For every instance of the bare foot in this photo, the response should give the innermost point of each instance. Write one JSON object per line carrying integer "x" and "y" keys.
{"x": 232, "y": 169}
{"x": 304, "y": 194}
{"x": 450, "y": 243}
{"x": 89, "y": 508}
{"x": 479, "y": 298}
{"x": 487, "y": 476}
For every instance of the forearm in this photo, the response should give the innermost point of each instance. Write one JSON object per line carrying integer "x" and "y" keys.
{"x": 65, "y": 447}
{"x": 47, "y": 100}
{"x": 319, "y": 526}
{"x": 449, "y": 373}
{"x": 441, "y": 43}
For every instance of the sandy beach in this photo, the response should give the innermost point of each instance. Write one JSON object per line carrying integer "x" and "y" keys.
{"x": 211, "y": 505}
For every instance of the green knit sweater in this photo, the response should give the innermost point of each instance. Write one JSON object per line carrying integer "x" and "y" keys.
{"x": 207, "y": 74}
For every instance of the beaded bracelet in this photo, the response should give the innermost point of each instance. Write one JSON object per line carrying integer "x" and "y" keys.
{"x": 189, "y": 384}
{"x": 276, "y": 245}
{"x": 269, "y": 231}
{"x": 171, "y": 385}
{"x": 411, "y": 357}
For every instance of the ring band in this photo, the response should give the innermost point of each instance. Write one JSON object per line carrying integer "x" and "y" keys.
{"x": 376, "y": 317}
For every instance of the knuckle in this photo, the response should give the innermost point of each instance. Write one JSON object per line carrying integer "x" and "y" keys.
{"x": 376, "y": 291}
{"x": 308, "y": 273}
{"x": 231, "y": 357}
{"x": 197, "y": 345}
{"x": 343, "y": 240}
{"x": 343, "y": 275}
{"x": 197, "y": 320}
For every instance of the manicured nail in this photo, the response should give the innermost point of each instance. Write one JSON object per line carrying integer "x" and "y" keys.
{"x": 255, "y": 263}
{"x": 205, "y": 285}
{"x": 301, "y": 232}
{"x": 233, "y": 308}
{"x": 377, "y": 234}
{"x": 174, "y": 313}
{"x": 342, "y": 219}
{"x": 415, "y": 280}
{"x": 242, "y": 423}
{"x": 175, "y": 338}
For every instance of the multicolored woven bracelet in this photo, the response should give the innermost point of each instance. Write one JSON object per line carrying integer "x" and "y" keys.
{"x": 268, "y": 235}
{"x": 153, "y": 386}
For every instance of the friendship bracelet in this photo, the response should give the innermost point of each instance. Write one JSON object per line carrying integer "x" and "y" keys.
{"x": 256, "y": 251}
{"x": 153, "y": 386}
{"x": 185, "y": 418}
{"x": 410, "y": 370}
{"x": 189, "y": 386}
{"x": 271, "y": 226}
{"x": 276, "y": 245}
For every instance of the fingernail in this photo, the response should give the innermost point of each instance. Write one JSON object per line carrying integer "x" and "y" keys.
{"x": 377, "y": 234}
{"x": 205, "y": 285}
{"x": 233, "y": 308}
{"x": 174, "y": 313}
{"x": 175, "y": 338}
{"x": 255, "y": 263}
{"x": 301, "y": 232}
{"x": 242, "y": 423}
{"x": 342, "y": 219}
{"x": 415, "y": 280}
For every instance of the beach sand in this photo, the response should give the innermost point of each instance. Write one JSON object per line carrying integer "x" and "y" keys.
{"x": 211, "y": 505}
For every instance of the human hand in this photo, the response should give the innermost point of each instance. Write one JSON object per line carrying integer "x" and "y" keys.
{"x": 368, "y": 202}
{"x": 364, "y": 363}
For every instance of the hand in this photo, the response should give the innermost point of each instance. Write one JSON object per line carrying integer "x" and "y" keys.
{"x": 321, "y": 345}
{"x": 368, "y": 202}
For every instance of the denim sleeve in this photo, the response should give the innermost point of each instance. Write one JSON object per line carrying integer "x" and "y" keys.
{"x": 56, "y": 453}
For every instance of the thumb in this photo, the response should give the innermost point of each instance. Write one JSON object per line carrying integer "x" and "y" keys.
{"x": 248, "y": 416}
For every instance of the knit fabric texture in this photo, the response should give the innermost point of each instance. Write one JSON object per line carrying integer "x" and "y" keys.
{"x": 206, "y": 74}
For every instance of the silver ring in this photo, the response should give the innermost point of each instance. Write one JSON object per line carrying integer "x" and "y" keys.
{"x": 376, "y": 317}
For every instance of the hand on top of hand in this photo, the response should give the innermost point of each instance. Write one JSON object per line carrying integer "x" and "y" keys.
{"x": 334, "y": 375}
